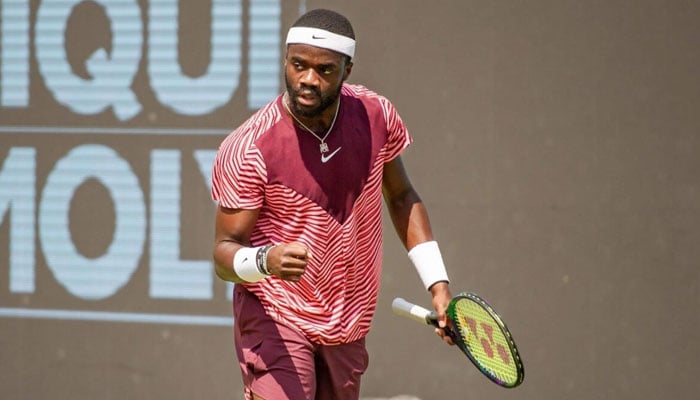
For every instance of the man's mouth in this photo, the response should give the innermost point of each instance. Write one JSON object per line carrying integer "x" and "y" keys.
{"x": 307, "y": 98}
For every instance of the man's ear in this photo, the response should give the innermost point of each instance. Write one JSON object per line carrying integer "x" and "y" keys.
{"x": 348, "y": 70}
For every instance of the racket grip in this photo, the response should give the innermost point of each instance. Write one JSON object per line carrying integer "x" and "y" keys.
{"x": 413, "y": 311}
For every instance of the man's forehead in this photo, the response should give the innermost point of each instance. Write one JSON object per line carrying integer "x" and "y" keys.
{"x": 306, "y": 51}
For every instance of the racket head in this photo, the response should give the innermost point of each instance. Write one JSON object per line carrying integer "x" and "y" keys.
{"x": 483, "y": 336}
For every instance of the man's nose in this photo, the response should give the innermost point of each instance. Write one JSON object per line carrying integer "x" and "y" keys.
{"x": 309, "y": 78}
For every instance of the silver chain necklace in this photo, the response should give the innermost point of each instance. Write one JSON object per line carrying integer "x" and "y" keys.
{"x": 323, "y": 146}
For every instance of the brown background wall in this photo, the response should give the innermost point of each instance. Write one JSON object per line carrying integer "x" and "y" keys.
{"x": 556, "y": 146}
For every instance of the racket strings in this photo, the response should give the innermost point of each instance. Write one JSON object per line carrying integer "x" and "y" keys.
{"x": 483, "y": 336}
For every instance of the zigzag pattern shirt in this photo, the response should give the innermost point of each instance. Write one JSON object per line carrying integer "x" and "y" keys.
{"x": 332, "y": 204}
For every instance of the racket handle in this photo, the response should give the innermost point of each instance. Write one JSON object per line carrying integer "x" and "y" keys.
{"x": 413, "y": 311}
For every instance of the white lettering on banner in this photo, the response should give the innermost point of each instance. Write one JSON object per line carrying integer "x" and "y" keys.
{"x": 263, "y": 51}
{"x": 112, "y": 74}
{"x": 167, "y": 270}
{"x": 143, "y": 41}
{"x": 14, "y": 53}
{"x": 202, "y": 95}
{"x": 17, "y": 197}
{"x": 205, "y": 160}
{"x": 101, "y": 277}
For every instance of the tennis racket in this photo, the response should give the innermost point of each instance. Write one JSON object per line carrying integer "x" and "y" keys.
{"x": 479, "y": 332}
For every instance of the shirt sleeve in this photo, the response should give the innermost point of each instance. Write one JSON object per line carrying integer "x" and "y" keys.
{"x": 238, "y": 173}
{"x": 398, "y": 138}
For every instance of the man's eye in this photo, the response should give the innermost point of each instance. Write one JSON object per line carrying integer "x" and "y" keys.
{"x": 326, "y": 70}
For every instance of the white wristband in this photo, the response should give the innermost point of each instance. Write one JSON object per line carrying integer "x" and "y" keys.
{"x": 245, "y": 264}
{"x": 427, "y": 259}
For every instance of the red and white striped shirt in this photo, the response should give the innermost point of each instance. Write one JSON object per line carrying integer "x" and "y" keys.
{"x": 332, "y": 205}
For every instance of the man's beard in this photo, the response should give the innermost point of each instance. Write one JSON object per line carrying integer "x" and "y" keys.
{"x": 326, "y": 100}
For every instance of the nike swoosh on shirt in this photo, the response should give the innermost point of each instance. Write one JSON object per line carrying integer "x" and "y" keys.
{"x": 324, "y": 158}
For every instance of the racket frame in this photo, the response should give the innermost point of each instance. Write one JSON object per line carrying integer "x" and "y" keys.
{"x": 423, "y": 315}
{"x": 456, "y": 337}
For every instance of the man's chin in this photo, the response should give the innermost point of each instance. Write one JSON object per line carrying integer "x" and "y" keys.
{"x": 307, "y": 111}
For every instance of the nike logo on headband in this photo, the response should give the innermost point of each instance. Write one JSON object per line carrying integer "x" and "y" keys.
{"x": 317, "y": 37}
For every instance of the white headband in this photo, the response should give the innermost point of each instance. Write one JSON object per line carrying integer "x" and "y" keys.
{"x": 321, "y": 38}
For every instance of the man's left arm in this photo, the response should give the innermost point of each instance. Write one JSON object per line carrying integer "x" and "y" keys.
{"x": 410, "y": 219}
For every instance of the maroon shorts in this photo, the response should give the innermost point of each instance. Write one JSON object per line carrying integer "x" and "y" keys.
{"x": 278, "y": 362}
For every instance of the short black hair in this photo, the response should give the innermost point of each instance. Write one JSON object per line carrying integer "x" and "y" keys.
{"x": 327, "y": 20}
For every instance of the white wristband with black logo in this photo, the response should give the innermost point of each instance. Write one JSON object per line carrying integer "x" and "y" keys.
{"x": 427, "y": 259}
{"x": 246, "y": 266}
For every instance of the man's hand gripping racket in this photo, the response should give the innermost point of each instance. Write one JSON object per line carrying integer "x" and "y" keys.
{"x": 479, "y": 332}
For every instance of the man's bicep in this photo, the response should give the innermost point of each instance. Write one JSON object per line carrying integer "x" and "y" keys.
{"x": 233, "y": 230}
{"x": 395, "y": 181}
{"x": 235, "y": 224}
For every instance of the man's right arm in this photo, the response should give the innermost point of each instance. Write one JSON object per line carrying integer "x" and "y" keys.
{"x": 233, "y": 229}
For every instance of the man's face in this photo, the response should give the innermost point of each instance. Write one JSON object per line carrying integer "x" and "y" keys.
{"x": 314, "y": 77}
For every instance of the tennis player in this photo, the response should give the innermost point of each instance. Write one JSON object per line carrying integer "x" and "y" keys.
{"x": 298, "y": 225}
